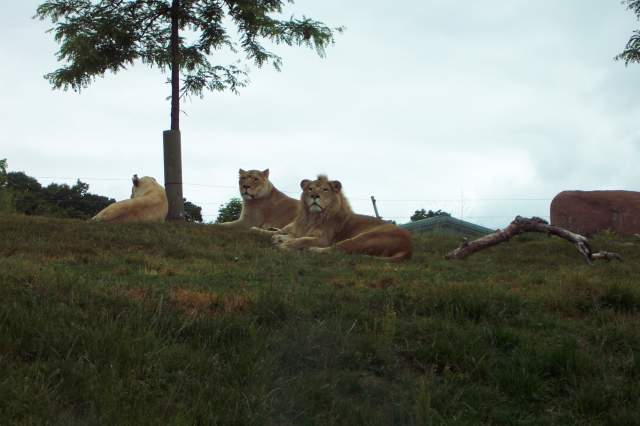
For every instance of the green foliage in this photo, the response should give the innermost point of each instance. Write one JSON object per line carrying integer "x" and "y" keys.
{"x": 110, "y": 35}
{"x": 56, "y": 200}
{"x": 192, "y": 212}
{"x": 423, "y": 214}
{"x": 230, "y": 211}
{"x": 183, "y": 324}
{"x": 3, "y": 173}
{"x": 631, "y": 52}
{"x": 6, "y": 197}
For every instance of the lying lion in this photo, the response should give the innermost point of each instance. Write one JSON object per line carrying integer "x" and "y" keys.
{"x": 326, "y": 221}
{"x": 263, "y": 205}
{"x": 148, "y": 203}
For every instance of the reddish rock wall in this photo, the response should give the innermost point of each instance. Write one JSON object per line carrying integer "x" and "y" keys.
{"x": 588, "y": 212}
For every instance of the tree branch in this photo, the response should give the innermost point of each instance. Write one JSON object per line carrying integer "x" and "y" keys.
{"x": 535, "y": 224}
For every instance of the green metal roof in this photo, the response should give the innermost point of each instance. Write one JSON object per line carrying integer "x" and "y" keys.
{"x": 446, "y": 223}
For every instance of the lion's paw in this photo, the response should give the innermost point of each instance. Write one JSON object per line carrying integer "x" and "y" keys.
{"x": 286, "y": 245}
{"x": 264, "y": 231}
{"x": 280, "y": 238}
{"x": 320, "y": 249}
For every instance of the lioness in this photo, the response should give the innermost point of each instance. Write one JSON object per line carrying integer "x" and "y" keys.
{"x": 263, "y": 205}
{"x": 148, "y": 203}
{"x": 326, "y": 220}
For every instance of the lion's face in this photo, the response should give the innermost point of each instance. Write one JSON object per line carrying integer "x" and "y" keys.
{"x": 321, "y": 195}
{"x": 254, "y": 184}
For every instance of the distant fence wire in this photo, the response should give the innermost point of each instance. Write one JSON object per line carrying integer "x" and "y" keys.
{"x": 358, "y": 198}
{"x": 460, "y": 205}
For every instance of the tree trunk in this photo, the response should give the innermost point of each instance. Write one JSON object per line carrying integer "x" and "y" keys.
{"x": 175, "y": 66}
{"x": 171, "y": 138}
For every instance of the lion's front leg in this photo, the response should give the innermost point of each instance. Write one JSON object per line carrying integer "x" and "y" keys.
{"x": 281, "y": 238}
{"x": 321, "y": 249}
{"x": 281, "y": 235}
{"x": 240, "y": 223}
{"x": 301, "y": 243}
{"x": 265, "y": 231}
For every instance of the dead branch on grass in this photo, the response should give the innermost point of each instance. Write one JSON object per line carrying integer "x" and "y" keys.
{"x": 521, "y": 225}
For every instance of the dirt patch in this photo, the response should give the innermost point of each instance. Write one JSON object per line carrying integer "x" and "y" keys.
{"x": 196, "y": 303}
{"x": 383, "y": 283}
{"x": 137, "y": 294}
{"x": 159, "y": 271}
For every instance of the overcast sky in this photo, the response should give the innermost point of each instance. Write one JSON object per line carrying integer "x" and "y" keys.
{"x": 485, "y": 109}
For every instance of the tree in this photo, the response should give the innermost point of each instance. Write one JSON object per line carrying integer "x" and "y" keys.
{"x": 57, "y": 200}
{"x": 3, "y": 173}
{"x": 192, "y": 212}
{"x": 422, "y": 214}
{"x": 27, "y": 190}
{"x": 631, "y": 52}
{"x": 6, "y": 200}
{"x": 230, "y": 212}
{"x": 97, "y": 36}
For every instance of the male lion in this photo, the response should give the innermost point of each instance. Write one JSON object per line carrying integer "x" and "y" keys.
{"x": 263, "y": 205}
{"x": 326, "y": 220}
{"x": 148, "y": 203}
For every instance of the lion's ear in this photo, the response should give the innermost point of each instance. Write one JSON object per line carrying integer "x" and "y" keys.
{"x": 336, "y": 185}
{"x": 304, "y": 183}
{"x": 241, "y": 171}
{"x": 265, "y": 173}
{"x": 135, "y": 180}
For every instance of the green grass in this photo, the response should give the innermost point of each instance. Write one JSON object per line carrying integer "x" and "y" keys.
{"x": 191, "y": 324}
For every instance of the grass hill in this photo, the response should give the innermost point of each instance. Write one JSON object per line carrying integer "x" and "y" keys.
{"x": 192, "y": 324}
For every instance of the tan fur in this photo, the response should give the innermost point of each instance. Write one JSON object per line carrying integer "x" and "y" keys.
{"x": 326, "y": 220}
{"x": 148, "y": 203}
{"x": 263, "y": 205}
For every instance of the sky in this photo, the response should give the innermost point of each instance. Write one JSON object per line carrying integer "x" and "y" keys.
{"x": 484, "y": 109}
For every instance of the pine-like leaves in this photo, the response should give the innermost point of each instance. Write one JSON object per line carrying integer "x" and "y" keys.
{"x": 631, "y": 51}
{"x": 110, "y": 35}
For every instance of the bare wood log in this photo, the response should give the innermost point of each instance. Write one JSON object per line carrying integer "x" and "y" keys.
{"x": 521, "y": 225}
{"x": 606, "y": 255}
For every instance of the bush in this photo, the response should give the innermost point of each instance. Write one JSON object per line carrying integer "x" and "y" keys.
{"x": 55, "y": 200}
{"x": 6, "y": 197}
{"x": 422, "y": 214}
{"x": 230, "y": 211}
{"x": 192, "y": 212}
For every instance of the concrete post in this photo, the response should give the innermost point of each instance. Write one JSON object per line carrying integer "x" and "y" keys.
{"x": 173, "y": 174}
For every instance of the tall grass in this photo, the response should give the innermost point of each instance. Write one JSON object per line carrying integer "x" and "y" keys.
{"x": 192, "y": 324}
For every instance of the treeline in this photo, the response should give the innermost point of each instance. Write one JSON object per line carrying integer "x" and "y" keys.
{"x": 23, "y": 194}
{"x": 6, "y": 201}
{"x": 423, "y": 214}
{"x": 54, "y": 200}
